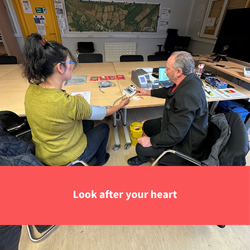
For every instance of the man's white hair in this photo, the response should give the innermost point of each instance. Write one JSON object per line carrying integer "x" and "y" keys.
{"x": 184, "y": 61}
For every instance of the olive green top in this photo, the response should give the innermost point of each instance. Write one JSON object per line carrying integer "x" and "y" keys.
{"x": 55, "y": 118}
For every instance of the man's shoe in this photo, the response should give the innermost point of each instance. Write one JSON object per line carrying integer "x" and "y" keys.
{"x": 135, "y": 161}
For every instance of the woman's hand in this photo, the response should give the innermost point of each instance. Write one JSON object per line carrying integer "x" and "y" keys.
{"x": 124, "y": 101}
{"x": 112, "y": 110}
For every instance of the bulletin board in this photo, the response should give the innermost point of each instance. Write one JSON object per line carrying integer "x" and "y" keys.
{"x": 111, "y": 16}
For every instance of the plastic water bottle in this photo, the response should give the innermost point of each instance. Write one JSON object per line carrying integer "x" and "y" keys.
{"x": 200, "y": 70}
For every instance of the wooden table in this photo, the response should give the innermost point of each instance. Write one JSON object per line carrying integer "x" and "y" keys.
{"x": 231, "y": 68}
{"x": 97, "y": 97}
{"x": 13, "y": 87}
{"x": 125, "y": 68}
{"x": 7, "y": 68}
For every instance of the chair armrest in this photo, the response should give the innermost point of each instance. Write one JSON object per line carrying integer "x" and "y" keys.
{"x": 78, "y": 161}
{"x": 17, "y": 127}
{"x": 186, "y": 157}
{"x": 32, "y": 237}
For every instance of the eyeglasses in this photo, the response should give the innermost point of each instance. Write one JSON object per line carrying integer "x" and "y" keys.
{"x": 67, "y": 62}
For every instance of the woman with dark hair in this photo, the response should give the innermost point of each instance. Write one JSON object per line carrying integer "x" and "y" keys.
{"x": 57, "y": 119}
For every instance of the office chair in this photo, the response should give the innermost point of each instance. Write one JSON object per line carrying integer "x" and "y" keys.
{"x": 85, "y": 47}
{"x": 131, "y": 58}
{"x": 170, "y": 42}
{"x": 174, "y": 42}
{"x": 8, "y": 60}
{"x": 90, "y": 58}
{"x": 227, "y": 143}
{"x": 182, "y": 43}
{"x": 15, "y": 125}
{"x": 163, "y": 57}
{"x": 19, "y": 127}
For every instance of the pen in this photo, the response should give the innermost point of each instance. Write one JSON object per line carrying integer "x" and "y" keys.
{"x": 220, "y": 91}
{"x": 209, "y": 92}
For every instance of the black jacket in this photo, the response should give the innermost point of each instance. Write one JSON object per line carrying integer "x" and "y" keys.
{"x": 185, "y": 119}
{"x": 16, "y": 152}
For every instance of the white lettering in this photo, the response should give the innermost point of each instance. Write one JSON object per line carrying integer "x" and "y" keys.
{"x": 86, "y": 195}
{"x": 135, "y": 195}
{"x": 111, "y": 195}
{"x": 164, "y": 195}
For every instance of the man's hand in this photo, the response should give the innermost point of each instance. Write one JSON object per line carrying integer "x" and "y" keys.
{"x": 142, "y": 91}
{"x": 145, "y": 141}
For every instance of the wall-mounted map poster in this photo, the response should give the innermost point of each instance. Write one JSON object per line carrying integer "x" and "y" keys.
{"x": 111, "y": 16}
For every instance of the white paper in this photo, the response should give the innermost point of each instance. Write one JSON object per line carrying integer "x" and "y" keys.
{"x": 229, "y": 93}
{"x": 61, "y": 22}
{"x": 59, "y": 8}
{"x": 165, "y": 13}
{"x": 211, "y": 21}
{"x": 163, "y": 24}
{"x": 85, "y": 94}
{"x": 27, "y": 7}
{"x": 41, "y": 29}
{"x": 212, "y": 93}
{"x": 200, "y": 12}
{"x": 77, "y": 79}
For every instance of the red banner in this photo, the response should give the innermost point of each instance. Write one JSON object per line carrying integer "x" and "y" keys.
{"x": 125, "y": 195}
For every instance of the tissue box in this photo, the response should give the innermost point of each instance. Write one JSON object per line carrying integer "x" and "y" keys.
{"x": 215, "y": 82}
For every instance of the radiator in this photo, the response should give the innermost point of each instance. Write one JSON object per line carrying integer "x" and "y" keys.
{"x": 113, "y": 51}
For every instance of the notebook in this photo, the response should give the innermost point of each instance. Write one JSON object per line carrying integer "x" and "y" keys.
{"x": 163, "y": 78}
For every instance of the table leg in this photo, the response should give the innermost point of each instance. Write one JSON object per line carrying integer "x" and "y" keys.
{"x": 116, "y": 135}
{"x": 125, "y": 129}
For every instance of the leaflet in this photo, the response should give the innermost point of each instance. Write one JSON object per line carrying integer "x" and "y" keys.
{"x": 229, "y": 93}
{"x": 85, "y": 94}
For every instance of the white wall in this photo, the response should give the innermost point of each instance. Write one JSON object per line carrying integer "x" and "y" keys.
{"x": 198, "y": 45}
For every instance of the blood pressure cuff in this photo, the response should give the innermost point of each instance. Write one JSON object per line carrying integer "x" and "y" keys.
{"x": 98, "y": 113}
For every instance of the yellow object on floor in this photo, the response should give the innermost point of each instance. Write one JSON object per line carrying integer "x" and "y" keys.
{"x": 135, "y": 132}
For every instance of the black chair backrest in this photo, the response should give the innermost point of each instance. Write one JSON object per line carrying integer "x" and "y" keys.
{"x": 237, "y": 147}
{"x": 131, "y": 58}
{"x": 213, "y": 134}
{"x": 8, "y": 60}
{"x": 85, "y": 47}
{"x": 183, "y": 42}
{"x": 10, "y": 119}
{"x": 90, "y": 58}
{"x": 171, "y": 40}
{"x": 163, "y": 57}
{"x": 234, "y": 154}
{"x": 16, "y": 125}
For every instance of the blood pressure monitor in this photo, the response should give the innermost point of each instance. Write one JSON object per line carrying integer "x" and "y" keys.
{"x": 129, "y": 91}
{"x": 246, "y": 72}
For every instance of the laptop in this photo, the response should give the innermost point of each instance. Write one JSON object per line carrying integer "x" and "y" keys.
{"x": 163, "y": 78}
